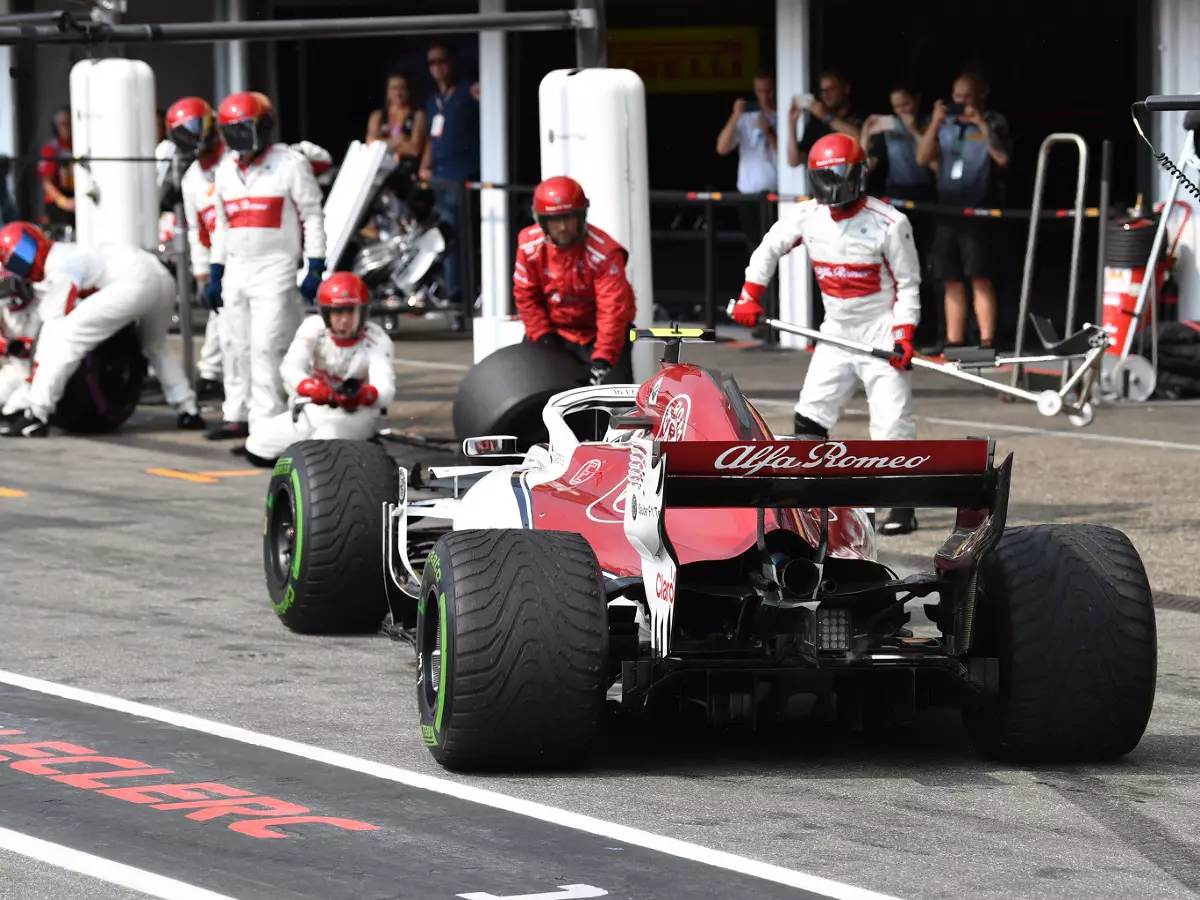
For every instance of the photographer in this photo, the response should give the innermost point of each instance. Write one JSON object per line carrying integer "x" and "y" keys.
{"x": 971, "y": 146}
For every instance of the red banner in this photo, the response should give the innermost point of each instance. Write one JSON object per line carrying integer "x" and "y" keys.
{"x": 815, "y": 459}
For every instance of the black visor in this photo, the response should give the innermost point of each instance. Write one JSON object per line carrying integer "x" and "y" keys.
{"x": 241, "y": 137}
{"x": 187, "y": 135}
{"x": 836, "y": 185}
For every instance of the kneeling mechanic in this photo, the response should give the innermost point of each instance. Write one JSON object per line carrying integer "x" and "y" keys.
{"x": 342, "y": 363}
{"x": 866, "y": 264}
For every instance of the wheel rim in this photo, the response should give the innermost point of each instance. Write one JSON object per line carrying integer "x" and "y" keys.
{"x": 281, "y": 534}
{"x": 431, "y": 651}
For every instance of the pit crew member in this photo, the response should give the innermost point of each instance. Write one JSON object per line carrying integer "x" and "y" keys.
{"x": 192, "y": 130}
{"x": 19, "y": 324}
{"x": 339, "y": 360}
{"x": 569, "y": 283}
{"x": 866, "y": 264}
{"x": 86, "y": 295}
{"x": 269, "y": 209}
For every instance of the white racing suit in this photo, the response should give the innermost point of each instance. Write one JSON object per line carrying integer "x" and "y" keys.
{"x": 313, "y": 354}
{"x": 15, "y": 372}
{"x": 266, "y": 215}
{"x": 87, "y": 296}
{"x": 869, "y": 274}
{"x": 200, "y": 210}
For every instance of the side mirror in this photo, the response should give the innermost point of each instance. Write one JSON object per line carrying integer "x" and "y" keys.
{"x": 491, "y": 445}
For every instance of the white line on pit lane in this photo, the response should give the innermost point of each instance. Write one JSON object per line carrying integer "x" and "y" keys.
{"x": 426, "y": 364}
{"x": 632, "y": 836}
{"x": 103, "y": 869}
{"x": 984, "y": 427}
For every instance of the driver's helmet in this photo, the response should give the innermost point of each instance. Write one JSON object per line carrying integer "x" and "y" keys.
{"x": 837, "y": 170}
{"x": 557, "y": 197}
{"x": 344, "y": 290}
{"x": 23, "y": 250}
{"x": 246, "y": 122}
{"x": 192, "y": 127}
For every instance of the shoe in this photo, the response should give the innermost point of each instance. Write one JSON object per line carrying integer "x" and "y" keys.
{"x": 24, "y": 424}
{"x": 901, "y": 520}
{"x": 190, "y": 422}
{"x": 227, "y": 430}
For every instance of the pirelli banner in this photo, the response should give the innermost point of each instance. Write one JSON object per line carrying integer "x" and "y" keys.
{"x": 687, "y": 60}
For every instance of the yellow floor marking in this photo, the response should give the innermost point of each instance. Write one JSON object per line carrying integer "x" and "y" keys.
{"x": 204, "y": 477}
{"x": 9, "y": 492}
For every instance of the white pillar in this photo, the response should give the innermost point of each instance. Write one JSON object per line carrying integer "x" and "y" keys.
{"x": 238, "y": 52}
{"x": 8, "y": 106}
{"x": 792, "y": 54}
{"x": 220, "y": 57}
{"x": 496, "y": 267}
{"x": 1177, "y": 71}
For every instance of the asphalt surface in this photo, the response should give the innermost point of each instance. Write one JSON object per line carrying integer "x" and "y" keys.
{"x": 149, "y": 587}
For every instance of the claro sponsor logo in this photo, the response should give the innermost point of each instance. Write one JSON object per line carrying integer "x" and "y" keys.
{"x": 751, "y": 458}
{"x": 253, "y": 815}
{"x": 664, "y": 588}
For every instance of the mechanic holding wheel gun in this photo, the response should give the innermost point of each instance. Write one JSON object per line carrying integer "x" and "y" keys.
{"x": 85, "y": 296}
{"x": 342, "y": 363}
{"x": 269, "y": 207}
{"x": 19, "y": 323}
{"x": 569, "y": 283}
{"x": 866, "y": 264}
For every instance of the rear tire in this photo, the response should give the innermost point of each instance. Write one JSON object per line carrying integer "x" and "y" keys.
{"x": 104, "y": 391}
{"x": 322, "y": 536}
{"x": 512, "y": 649}
{"x": 1068, "y": 611}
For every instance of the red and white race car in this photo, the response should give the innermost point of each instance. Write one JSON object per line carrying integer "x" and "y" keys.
{"x": 691, "y": 559}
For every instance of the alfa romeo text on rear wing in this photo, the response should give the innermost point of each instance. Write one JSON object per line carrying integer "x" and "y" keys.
{"x": 815, "y": 474}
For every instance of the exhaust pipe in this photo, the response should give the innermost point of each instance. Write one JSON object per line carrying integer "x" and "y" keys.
{"x": 801, "y": 577}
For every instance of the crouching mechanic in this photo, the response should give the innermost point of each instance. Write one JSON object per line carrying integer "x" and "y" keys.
{"x": 866, "y": 264}
{"x": 342, "y": 363}
{"x": 85, "y": 296}
{"x": 19, "y": 323}
{"x": 569, "y": 283}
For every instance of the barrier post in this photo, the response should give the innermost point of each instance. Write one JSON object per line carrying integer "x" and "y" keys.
{"x": 710, "y": 242}
{"x": 1106, "y": 152}
{"x": 771, "y": 341}
{"x": 466, "y": 234}
{"x": 183, "y": 280}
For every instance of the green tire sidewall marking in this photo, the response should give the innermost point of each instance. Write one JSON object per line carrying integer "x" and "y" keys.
{"x": 445, "y": 648}
{"x": 282, "y": 466}
{"x": 429, "y": 736}
{"x": 299, "y": 523}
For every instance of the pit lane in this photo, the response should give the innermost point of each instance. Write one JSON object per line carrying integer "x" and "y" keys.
{"x": 155, "y": 596}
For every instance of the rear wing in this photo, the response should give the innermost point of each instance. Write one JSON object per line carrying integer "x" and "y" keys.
{"x": 815, "y": 474}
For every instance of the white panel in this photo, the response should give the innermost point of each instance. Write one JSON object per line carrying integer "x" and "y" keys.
{"x": 496, "y": 257}
{"x": 793, "y": 55}
{"x": 112, "y": 113}
{"x": 1177, "y": 71}
{"x": 348, "y": 199}
{"x": 593, "y": 128}
{"x": 8, "y": 110}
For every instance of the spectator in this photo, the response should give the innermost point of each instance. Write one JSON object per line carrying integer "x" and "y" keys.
{"x": 400, "y": 123}
{"x": 752, "y": 133}
{"x": 829, "y": 111}
{"x": 452, "y": 150}
{"x": 971, "y": 145}
{"x": 894, "y": 143}
{"x": 58, "y": 174}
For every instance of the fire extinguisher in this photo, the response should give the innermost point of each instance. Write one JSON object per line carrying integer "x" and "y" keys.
{"x": 1130, "y": 241}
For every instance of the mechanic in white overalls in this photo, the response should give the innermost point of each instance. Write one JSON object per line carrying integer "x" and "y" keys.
{"x": 866, "y": 263}
{"x": 19, "y": 324}
{"x": 340, "y": 361}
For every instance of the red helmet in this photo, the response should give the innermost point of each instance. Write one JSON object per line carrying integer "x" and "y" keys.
{"x": 191, "y": 126}
{"x": 23, "y": 250}
{"x": 246, "y": 122}
{"x": 837, "y": 170}
{"x": 560, "y": 197}
{"x": 344, "y": 290}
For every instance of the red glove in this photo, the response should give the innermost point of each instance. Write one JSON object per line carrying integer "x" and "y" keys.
{"x": 747, "y": 310}
{"x": 319, "y": 391}
{"x": 902, "y": 350}
{"x": 366, "y": 396}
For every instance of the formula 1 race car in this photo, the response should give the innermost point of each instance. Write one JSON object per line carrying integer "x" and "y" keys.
{"x": 693, "y": 560}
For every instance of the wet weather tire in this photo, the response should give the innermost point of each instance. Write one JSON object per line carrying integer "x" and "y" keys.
{"x": 512, "y": 649}
{"x": 1068, "y": 611}
{"x": 104, "y": 391}
{"x": 323, "y": 535}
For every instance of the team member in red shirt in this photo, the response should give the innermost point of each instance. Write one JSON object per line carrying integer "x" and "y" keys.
{"x": 569, "y": 283}
{"x": 58, "y": 172}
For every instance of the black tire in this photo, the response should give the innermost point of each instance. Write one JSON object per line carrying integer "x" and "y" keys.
{"x": 104, "y": 391}
{"x": 517, "y": 622}
{"x": 505, "y": 391}
{"x": 322, "y": 536}
{"x": 1068, "y": 611}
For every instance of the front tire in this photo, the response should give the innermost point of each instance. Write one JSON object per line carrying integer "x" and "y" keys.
{"x": 1069, "y": 612}
{"x": 104, "y": 391}
{"x": 512, "y": 649}
{"x": 322, "y": 535}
